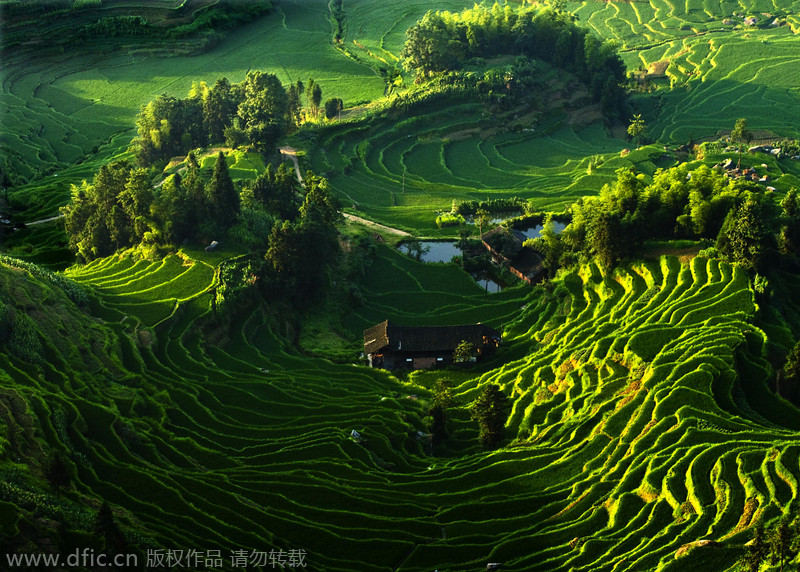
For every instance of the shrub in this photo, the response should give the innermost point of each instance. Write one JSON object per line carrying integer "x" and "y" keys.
{"x": 450, "y": 219}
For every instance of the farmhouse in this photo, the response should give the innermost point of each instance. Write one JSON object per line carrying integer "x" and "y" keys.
{"x": 389, "y": 346}
{"x": 506, "y": 245}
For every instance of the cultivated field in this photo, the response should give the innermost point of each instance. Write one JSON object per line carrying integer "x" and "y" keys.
{"x": 635, "y": 435}
{"x": 643, "y": 419}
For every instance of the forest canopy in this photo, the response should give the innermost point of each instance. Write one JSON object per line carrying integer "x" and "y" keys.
{"x": 446, "y": 41}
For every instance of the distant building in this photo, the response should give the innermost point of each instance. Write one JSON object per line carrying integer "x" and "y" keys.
{"x": 389, "y": 346}
{"x": 506, "y": 245}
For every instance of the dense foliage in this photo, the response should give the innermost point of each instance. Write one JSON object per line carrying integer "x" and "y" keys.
{"x": 88, "y": 21}
{"x": 743, "y": 218}
{"x": 445, "y": 41}
{"x": 255, "y": 111}
{"x": 491, "y": 410}
{"x": 121, "y": 208}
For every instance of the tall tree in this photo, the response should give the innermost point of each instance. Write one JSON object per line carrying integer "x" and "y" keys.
{"x": 748, "y": 233}
{"x": 315, "y": 98}
{"x": 740, "y": 136}
{"x": 219, "y": 109}
{"x": 107, "y": 528}
{"x": 465, "y": 352}
{"x": 491, "y": 410}
{"x": 637, "y": 128}
{"x": 783, "y": 542}
{"x": 264, "y": 109}
{"x": 441, "y": 403}
{"x": 606, "y": 238}
{"x": 790, "y": 223}
{"x": 277, "y": 191}
{"x": 333, "y": 107}
{"x": 56, "y": 473}
{"x": 549, "y": 244}
{"x": 756, "y": 552}
{"x": 222, "y": 196}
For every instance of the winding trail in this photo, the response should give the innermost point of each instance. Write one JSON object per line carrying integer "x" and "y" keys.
{"x": 291, "y": 154}
{"x": 44, "y": 220}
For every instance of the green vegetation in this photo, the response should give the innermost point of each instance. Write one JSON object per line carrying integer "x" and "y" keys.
{"x": 641, "y": 411}
{"x": 443, "y": 41}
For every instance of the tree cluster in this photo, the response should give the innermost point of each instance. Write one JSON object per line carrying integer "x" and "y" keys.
{"x": 776, "y": 546}
{"x": 257, "y": 111}
{"x": 293, "y": 227}
{"x": 445, "y": 41}
{"x": 302, "y": 251}
{"x": 120, "y": 208}
{"x": 744, "y": 219}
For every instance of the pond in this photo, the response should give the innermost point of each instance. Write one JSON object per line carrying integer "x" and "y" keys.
{"x": 438, "y": 251}
{"x": 533, "y": 231}
{"x": 496, "y": 217}
{"x": 434, "y": 250}
{"x": 486, "y": 282}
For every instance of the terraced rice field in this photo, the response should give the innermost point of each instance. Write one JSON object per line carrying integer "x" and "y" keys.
{"x": 150, "y": 292}
{"x": 633, "y": 435}
{"x": 54, "y": 112}
{"x": 719, "y": 67}
{"x": 412, "y": 292}
{"x": 401, "y": 171}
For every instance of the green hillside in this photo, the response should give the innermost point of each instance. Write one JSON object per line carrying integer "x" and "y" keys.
{"x": 629, "y": 414}
{"x": 216, "y": 397}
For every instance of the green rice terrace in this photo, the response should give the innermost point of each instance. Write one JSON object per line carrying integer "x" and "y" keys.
{"x": 191, "y": 268}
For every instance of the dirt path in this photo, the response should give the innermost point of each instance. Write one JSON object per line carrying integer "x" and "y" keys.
{"x": 44, "y": 220}
{"x": 291, "y": 154}
{"x": 376, "y": 225}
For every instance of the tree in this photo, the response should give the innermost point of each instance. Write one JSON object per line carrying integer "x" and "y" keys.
{"x": 491, "y": 410}
{"x": 790, "y": 227}
{"x": 756, "y": 552}
{"x": 264, "y": 109}
{"x": 637, "y": 128}
{"x": 549, "y": 244}
{"x": 748, "y": 234}
{"x": 481, "y": 217}
{"x": 301, "y": 253}
{"x": 740, "y": 136}
{"x": 783, "y": 542}
{"x": 106, "y": 527}
{"x": 416, "y": 249}
{"x": 606, "y": 238}
{"x": 277, "y": 192}
{"x": 219, "y": 109}
{"x": 791, "y": 369}
{"x": 56, "y": 473}
{"x": 465, "y": 352}
{"x": 315, "y": 97}
{"x": 222, "y": 196}
{"x": 441, "y": 402}
{"x": 333, "y": 107}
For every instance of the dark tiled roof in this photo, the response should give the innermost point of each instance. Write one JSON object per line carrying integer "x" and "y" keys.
{"x": 424, "y": 338}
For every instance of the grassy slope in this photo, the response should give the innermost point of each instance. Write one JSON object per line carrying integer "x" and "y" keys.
{"x": 720, "y": 71}
{"x": 635, "y": 436}
{"x": 630, "y": 419}
{"x": 54, "y": 112}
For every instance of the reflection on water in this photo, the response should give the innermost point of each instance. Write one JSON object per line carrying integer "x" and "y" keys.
{"x": 437, "y": 251}
{"x": 433, "y": 250}
{"x": 486, "y": 282}
{"x": 495, "y": 218}
{"x": 533, "y": 231}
